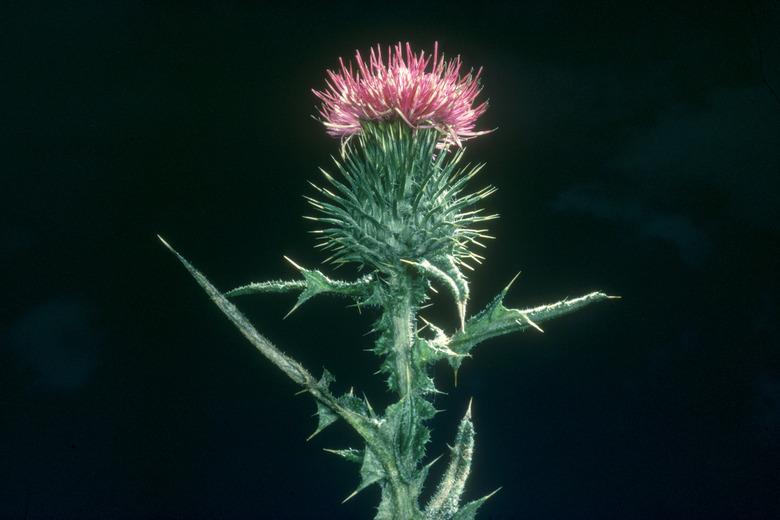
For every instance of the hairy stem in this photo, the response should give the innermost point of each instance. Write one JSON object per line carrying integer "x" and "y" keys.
{"x": 402, "y": 317}
{"x": 401, "y": 310}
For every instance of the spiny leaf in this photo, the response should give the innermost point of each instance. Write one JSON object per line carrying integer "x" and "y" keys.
{"x": 350, "y": 454}
{"x": 327, "y": 378}
{"x": 289, "y": 366}
{"x": 370, "y": 472}
{"x": 418, "y": 481}
{"x": 437, "y": 348}
{"x": 403, "y": 424}
{"x": 445, "y": 270}
{"x": 325, "y": 417}
{"x": 354, "y": 404}
{"x": 317, "y": 283}
{"x": 496, "y": 320}
{"x": 469, "y": 510}
{"x": 313, "y": 283}
{"x": 360, "y": 423}
{"x": 444, "y": 503}
{"x": 272, "y": 286}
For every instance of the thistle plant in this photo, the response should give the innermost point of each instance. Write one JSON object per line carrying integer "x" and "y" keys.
{"x": 398, "y": 205}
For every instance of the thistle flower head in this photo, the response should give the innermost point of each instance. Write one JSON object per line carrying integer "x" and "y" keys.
{"x": 399, "y": 198}
{"x": 422, "y": 91}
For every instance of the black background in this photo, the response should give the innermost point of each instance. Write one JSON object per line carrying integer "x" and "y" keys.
{"x": 636, "y": 153}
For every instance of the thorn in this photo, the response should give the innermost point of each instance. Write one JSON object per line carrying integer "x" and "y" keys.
{"x": 506, "y": 289}
{"x": 166, "y": 244}
{"x": 350, "y": 496}
{"x": 608, "y": 297}
{"x": 299, "y": 392}
{"x": 410, "y": 262}
{"x": 530, "y": 322}
{"x": 455, "y": 382}
{"x": 368, "y": 405}
{"x": 295, "y": 307}
{"x": 298, "y": 267}
{"x": 494, "y": 492}
{"x": 468, "y": 410}
{"x": 434, "y": 461}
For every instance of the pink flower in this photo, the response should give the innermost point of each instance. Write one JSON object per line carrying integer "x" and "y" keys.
{"x": 423, "y": 91}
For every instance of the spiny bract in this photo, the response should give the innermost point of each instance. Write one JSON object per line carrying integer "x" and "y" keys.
{"x": 399, "y": 198}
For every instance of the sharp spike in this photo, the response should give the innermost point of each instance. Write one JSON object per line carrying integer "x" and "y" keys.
{"x": 166, "y": 244}
{"x": 512, "y": 281}
{"x": 462, "y": 315}
{"x": 530, "y": 322}
{"x": 434, "y": 461}
{"x": 494, "y": 492}
{"x": 298, "y": 267}
{"x": 350, "y": 496}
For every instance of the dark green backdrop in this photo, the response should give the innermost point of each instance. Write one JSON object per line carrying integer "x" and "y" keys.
{"x": 636, "y": 153}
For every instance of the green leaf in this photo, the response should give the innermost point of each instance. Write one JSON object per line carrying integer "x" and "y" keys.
{"x": 418, "y": 481}
{"x": 445, "y": 271}
{"x": 318, "y": 283}
{"x": 289, "y": 366}
{"x": 497, "y": 320}
{"x": 326, "y": 403}
{"x": 313, "y": 283}
{"x": 272, "y": 286}
{"x": 350, "y": 454}
{"x": 403, "y": 424}
{"x": 325, "y": 417}
{"x": 469, "y": 511}
{"x": 444, "y": 502}
{"x": 371, "y": 472}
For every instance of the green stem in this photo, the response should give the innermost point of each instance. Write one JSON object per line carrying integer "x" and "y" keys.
{"x": 401, "y": 309}
{"x": 402, "y": 317}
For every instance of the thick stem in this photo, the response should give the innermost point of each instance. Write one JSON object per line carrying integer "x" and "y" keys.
{"x": 401, "y": 309}
{"x": 405, "y": 501}
{"x": 402, "y": 317}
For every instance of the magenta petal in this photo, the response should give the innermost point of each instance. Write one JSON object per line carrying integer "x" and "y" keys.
{"x": 423, "y": 91}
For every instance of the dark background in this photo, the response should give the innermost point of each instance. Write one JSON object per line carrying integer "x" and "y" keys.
{"x": 637, "y": 152}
